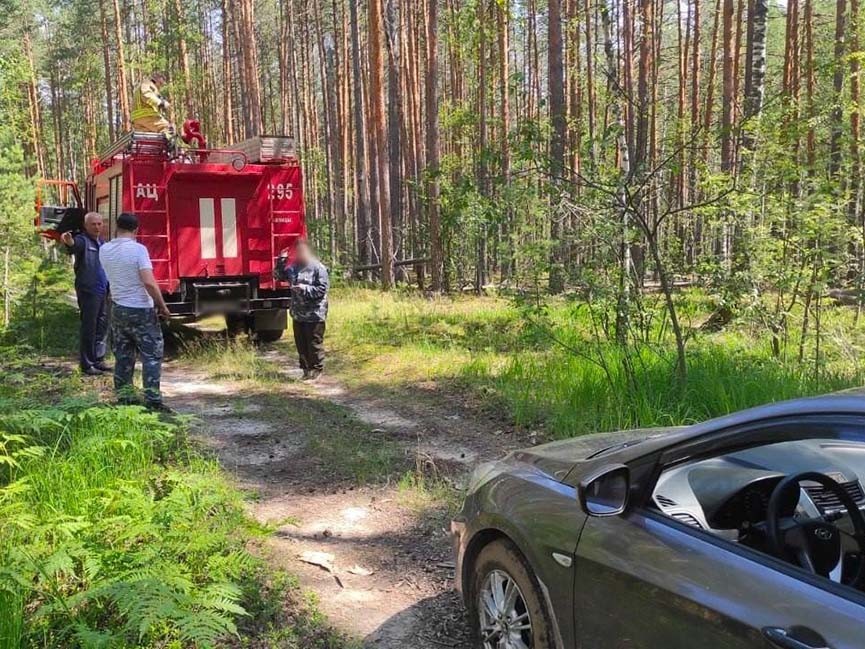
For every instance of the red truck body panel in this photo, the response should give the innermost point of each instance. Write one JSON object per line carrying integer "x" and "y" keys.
{"x": 203, "y": 219}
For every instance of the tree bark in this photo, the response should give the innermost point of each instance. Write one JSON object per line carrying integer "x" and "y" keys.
{"x": 394, "y": 116}
{"x": 755, "y": 68}
{"x": 855, "y": 129}
{"x": 227, "y": 85}
{"x": 728, "y": 82}
{"x": 122, "y": 82}
{"x": 838, "y": 85}
{"x": 106, "y": 62}
{"x": 377, "y": 100}
{"x": 183, "y": 59}
{"x": 360, "y": 157}
{"x": 556, "y": 81}
{"x": 432, "y": 147}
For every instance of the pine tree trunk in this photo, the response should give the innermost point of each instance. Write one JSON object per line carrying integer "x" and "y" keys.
{"x": 106, "y": 62}
{"x": 34, "y": 107}
{"x": 377, "y": 101}
{"x": 394, "y": 118}
{"x": 360, "y": 158}
{"x": 227, "y": 84}
{"x": 710, "y": 81}
{"x": 838, "y": 85}
{"x": 248, "y": 54}
{"x": 183, "y": 59}
{"x": 811, "y": 137}
{"x": 855, "y": 130}
{"x": 588, "y": 17}
{"x": 482, "y": 172}
{"x": 432, "y": 148}
{"x": 728, "y": 85}
{"x": 122, "y": 82}
{"x": 503, "y": 20}
{"x": 556, "y": 80}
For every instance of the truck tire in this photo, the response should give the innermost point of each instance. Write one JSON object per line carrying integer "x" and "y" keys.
{"x": 267, "y": 326}
{"x": 268, "y": 335}
{"x": 235, "y": 325}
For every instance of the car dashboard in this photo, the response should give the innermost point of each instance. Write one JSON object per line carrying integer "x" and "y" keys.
{"x": 729, "y": 495}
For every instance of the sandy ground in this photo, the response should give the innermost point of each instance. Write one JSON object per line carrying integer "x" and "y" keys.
{"x": 381, "y": 566}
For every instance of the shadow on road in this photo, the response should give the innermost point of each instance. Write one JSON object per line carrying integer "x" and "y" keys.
{"x": 438, "y": 621}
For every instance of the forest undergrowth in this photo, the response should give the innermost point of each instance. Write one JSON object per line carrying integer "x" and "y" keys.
{"x": 116, "y": 530}
{"x": 554, "y": 368}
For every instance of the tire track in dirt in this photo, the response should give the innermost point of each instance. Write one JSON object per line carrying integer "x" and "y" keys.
{"x": 388, "y": 578}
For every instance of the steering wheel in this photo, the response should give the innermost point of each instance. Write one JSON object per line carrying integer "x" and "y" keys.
{"x": 815, "y": 542}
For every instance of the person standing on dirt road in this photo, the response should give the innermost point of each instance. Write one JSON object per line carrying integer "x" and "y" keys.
{"x": 91, "y": 289}
{"x": 136, "y": 309}
{"x": 309, "y": 285}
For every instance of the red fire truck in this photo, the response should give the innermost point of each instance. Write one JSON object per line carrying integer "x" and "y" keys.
{"x": 213, "y": 220}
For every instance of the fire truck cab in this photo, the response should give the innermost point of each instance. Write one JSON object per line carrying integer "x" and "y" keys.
{"x": 213, "y": 220}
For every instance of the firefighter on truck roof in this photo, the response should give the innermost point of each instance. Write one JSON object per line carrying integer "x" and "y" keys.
{"x": 149, "y": 107}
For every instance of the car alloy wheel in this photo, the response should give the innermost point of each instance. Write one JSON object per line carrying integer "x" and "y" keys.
{"x": 504, "y": 617}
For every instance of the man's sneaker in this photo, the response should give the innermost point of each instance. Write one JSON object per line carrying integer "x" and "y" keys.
{"x": 102, "y": 367}
{"x": 313, "y": 375}
{"x": 305, "y": 376}
{"x": 160, "y": 408}
{"x": 91, "y": 371}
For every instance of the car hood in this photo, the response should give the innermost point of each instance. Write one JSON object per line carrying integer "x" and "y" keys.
{"x": 558, "y": 458}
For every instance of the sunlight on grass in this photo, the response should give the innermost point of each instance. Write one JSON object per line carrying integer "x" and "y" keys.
{"x": 237, "y": 360}
{"x": 547, "y": 371}
{"x": 427, "y": 494}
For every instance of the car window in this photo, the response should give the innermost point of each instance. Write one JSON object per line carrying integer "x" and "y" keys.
{"x": 799, "y": 500}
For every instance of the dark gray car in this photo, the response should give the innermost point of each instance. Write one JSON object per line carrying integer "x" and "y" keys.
{"x": 741, "y": 532}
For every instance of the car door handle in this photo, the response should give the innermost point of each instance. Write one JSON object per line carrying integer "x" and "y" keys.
{"x": 782, "y": 638}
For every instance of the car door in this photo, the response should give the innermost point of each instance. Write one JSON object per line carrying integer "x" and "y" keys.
{"x": 645, "y": 581}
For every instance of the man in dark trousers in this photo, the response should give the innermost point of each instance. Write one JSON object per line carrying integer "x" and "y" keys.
{"x": 309, "y": 285}
{"x": 91, "y": 287}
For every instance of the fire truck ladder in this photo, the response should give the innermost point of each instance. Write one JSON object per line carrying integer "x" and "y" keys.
{"x": 166, "y": 235}
{"x": 138, "y": 143}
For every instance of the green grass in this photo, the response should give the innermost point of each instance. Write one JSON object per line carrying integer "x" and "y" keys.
{"x": 547, "y": 370}
{"x": 233, "y": 360}
{"x": 115, "y": 530}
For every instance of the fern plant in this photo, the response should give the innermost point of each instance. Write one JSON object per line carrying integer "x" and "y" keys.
{"x": 104, "y": 543}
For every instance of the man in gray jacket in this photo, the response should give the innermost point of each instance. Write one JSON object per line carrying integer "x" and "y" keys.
{"x": 309, "y": 286}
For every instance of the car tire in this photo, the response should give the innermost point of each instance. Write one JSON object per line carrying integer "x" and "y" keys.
{"x": 502, "y": 557}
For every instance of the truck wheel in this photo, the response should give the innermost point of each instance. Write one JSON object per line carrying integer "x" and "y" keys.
{"x": 268, "y": 335}
{"x": 235, "y": 325}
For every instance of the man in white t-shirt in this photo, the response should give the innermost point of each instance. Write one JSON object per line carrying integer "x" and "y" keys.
{"x": 136, "y": 309}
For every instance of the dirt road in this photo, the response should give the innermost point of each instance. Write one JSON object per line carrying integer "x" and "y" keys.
{"x": 354, "y": 484}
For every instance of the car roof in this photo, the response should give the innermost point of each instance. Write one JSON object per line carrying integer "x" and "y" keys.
{"x": 850, "y": 401}
{"x": 847, "y": 402}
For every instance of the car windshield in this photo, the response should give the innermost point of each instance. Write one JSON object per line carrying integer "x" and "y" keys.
{"x": 776, "y": 497}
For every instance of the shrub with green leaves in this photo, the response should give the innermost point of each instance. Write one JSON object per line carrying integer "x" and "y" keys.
{"x": 107, "y": 540}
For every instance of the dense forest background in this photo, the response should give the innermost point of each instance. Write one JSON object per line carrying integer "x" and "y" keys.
{"x": 629, "y": 213}
{"x": 614, "y": 147}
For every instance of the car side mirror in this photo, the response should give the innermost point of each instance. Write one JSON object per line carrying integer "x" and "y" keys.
{"x": 606, "y": 492}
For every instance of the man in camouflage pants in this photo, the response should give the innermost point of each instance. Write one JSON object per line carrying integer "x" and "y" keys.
{"x": 138, "y": 305}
